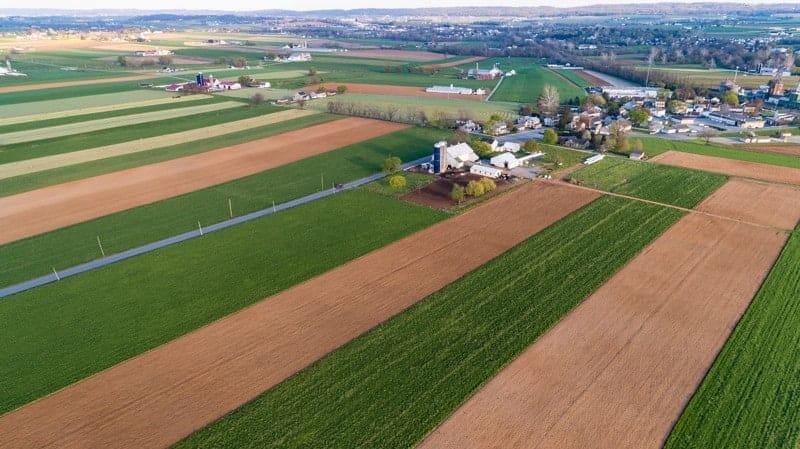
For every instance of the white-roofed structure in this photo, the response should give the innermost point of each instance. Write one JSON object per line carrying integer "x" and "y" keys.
{"x": 449, "y": 90}
{"x": 505, "y": 160}
{"x": 458, "y": 155}
{"x": 482, "y": 170}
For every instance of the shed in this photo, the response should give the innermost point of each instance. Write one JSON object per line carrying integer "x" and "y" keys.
{"x": 637, "y": 155}
{"x": 482, "y": 170}
{"x": 505, "y": 160}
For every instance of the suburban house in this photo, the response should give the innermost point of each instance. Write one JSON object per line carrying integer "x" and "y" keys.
{"x": 529, "y": 122}
{"x": 470, "y": 127}
{"x": 499, "y": 128}
{"x": 505, "y": 160}
{"x": 483, "y": 74}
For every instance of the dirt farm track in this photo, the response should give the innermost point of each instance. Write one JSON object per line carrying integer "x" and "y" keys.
{"x": 50, "y": 208}
{"x": 159, "y": 397}
{"x": 617, "y": 371}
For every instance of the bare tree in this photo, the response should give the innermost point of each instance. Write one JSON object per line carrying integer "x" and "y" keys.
{"x": 549, "y": 100}
{"x": 706, "y": 134}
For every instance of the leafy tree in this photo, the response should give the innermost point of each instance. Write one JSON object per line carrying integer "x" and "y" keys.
{"x": 239, "y": 62}
{"x": 550, "y": 137}
{"x": 321, "y": 89}
{"x": 548, "y": 100}
{"x": 271, "y": 56}
{"x": 488, "y": 184}
{"x": 245, "y": 80}
{"x": 639, "y": 116}
{"x": 397, "y": 181}
{"x": 482, "y": 149}
{"x": 475, "y": 189}
{"x": 341, "y": 89}
{"x": 392, "y": 164}
{"x": 256, "y": 99}
{"x": 122, "y": 60}
{"x": 457, "y": 194}
{"x": 530, "y": 146}
{"x": 730, "y": 98}
{"x": 165, "y": 60}
{"x": 565, "y": 118}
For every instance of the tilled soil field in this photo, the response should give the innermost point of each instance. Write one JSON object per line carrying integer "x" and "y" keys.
{"x": 155, "y": 399}
{"x": 731, "y": 167}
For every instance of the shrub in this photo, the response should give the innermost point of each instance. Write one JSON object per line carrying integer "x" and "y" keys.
{"x": 397, "y": 181}
{"x": 488, "y": 184}
{"x": 550, "y": 137}
{"x": 457, "y": 194}
{"x": 391, "y": 164}
{"x": 475, "y": 188}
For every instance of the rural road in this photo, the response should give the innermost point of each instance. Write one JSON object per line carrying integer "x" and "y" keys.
{"x": 133, "y": 252}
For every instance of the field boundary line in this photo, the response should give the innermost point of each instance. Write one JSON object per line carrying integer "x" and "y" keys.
{"x": 133, "y": 252}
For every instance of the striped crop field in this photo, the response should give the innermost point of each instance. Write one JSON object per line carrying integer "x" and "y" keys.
{"x": 114, "y": 122}
{"x": 750, "y": 398}
{"x": 79, "y": 109}
{"x": 135, "y": 146}
{"x": 117, "y": 99}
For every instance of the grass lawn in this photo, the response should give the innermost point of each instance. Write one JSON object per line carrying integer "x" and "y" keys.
{"x": 414, "y": 181}
{"x": 393, "y": 385}
{"x": 655, "y": 146}
{"x": 32, "y": 181}
{"x": 60, "y": 333}
{"x": 560, "y": 155}
{"x": 750, "y": 399}
{"x": 672, "y": 185}
{"x": 59, "y": 145}
{"x": 34, "y": 256}
{"x": 527, "y": 85}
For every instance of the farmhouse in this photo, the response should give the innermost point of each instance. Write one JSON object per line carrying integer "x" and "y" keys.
{"x": 449, "y": 90}
{"x": 482, "y": 170}
{"x": 505, "y": 160}
{"x": 482, "y": 74}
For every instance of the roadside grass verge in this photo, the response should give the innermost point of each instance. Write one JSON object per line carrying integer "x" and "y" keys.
{"x": 59, "y": 145}
{"x": 665, "y": 184}
{"x": 63, "y": 332}
{"x": 394, "y": 384}
{"x": 750, "y": 397}
{"x": 32, "y": 181}
{"x": 654, "y": 147}
{"x": 37, "y": 255}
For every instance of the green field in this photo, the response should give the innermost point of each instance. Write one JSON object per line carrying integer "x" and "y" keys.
{"x": 60, "y": 145}
{"x": 35, "y": 256}
{"x": 655, "y": 146}
{"x": 48, "y": 71}
{"x": 561, "y": 156}
{"x": 526, "y": 86}
{"x": 431, "y": 106}
{"x": 393, "y": 385}
{"x": 32, "y": 181}
{"x": 56, "y": 93}
{"x": 662, "y": 183}
{"x": 69, "y": 104}
{"x": 574, "y": 78}
{"x": 750, "y": 399}
{"x": 61, "y": 333}
{"x": 152, "y": 119}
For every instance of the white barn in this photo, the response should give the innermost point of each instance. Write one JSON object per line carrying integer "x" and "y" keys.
{"x": 505, "y": 160}
{"x": 458, "y": 155}
{"x": 449, "y": 90}
{"x": 482, "y": 170}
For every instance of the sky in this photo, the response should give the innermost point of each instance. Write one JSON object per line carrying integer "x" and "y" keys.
{"x": 250, "y": 5}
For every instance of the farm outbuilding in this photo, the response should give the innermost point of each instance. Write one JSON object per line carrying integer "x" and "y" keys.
{"x": 482, "y": 170}
{"x": 594, "y": 159}
{"x": 505, "y": 160}
{"x": 449, "y": 90}
{"x": 458, "y": 155}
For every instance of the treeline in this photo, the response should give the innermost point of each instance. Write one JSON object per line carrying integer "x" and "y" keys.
{"x": 390, "y": 113}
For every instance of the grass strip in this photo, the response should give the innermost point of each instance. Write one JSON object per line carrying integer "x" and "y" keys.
{"x": 655, "y": 146}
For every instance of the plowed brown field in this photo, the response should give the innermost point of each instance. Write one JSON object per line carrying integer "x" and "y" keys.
{"x": 732, "y": 167}
{"x": 756, "y": 202}
{"x": 400, "y": 55}
{"x": 791, "y": 150}
{"x": 26, "y": 87}
{"x": 50, "y": 208}
{"x": 617, "y": 371}
{"x": 155, "y": 399}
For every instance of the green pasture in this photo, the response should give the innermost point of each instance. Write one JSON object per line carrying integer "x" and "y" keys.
{"x": 574, "y": 78}
{"x": 94, "y": 139}
{"x": 750, "y": 398}
{"x": 61, "y": 333}
{"x": 60, "y": 175}
{"x": 527, "y": 85}
{"x": 393, "y": 385}
{"x": 37, "y": 255}
{"x": 57, "y": 93}
{"x": 162, "y": 115}
{"x": 69, "y": 104}
{"x": 662, "y": 183}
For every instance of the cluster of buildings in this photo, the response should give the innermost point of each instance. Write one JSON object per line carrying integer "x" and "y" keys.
{"x": 462, "y": 157}
{"x": 204, "y": 84}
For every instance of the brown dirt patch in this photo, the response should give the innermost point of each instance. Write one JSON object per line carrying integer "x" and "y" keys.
{"x": 159, "y": 397}
{"x": 403, "y": 55}
{"x": 756, "y": 202}
{"x": 592, "y": 79}
{"x": 617, "y": 371}
{"x": 437, "y": 194}
{"x": 778, "y": 148}
{"x": 731, "y": 167}
{"x": 400, "y": 91}
{"x": 447, "y": 65}
{"x": 26, "y": 87}
{"x": 50, "y": 208}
